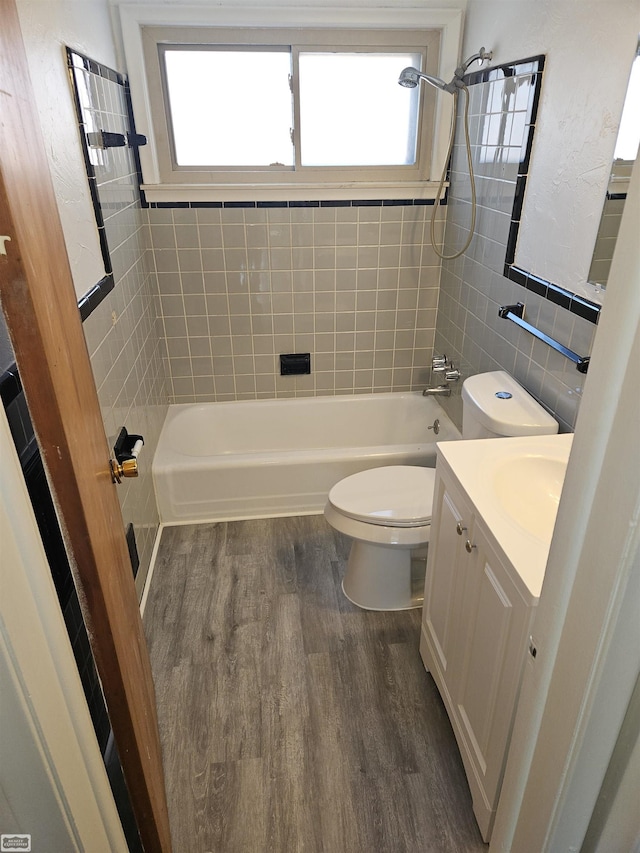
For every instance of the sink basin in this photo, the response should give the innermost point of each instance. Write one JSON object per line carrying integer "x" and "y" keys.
{"x": 528, "y": 490}
{"x": 514, "y": 485}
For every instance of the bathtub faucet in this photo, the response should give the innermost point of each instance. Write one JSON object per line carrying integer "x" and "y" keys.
{"x": 440, "y": 391}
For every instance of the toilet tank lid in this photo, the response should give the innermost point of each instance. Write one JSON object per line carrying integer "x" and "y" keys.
{"x": 518, "y": 414}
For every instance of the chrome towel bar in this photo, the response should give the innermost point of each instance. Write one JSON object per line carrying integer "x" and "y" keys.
{"x": 515, "y": 313}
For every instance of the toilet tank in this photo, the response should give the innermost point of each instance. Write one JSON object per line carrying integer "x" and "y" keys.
{"x": 495, "y": 405}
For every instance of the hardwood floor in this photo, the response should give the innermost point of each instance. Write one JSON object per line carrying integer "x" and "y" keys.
{"x": 291, "y": 720}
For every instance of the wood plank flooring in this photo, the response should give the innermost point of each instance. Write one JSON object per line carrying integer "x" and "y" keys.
{"x": 291, "y": 720}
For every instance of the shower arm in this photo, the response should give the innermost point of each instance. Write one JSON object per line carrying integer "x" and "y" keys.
{"x": 410, "y": 76}
{"x": 481, "y": 56}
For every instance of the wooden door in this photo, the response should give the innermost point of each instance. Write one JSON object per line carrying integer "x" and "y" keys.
{"x": 39, "y": 303}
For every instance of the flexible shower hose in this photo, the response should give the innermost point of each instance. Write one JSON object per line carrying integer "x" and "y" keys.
{"x": 444, "y": 176}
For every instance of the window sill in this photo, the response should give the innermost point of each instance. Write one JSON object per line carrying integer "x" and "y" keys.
{"x": 343, "y": 191}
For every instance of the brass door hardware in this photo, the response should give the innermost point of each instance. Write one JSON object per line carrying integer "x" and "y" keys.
{"x": 124, "y": 462}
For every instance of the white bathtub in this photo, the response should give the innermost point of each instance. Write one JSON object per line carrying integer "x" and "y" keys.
{"x": 265, "y": 458}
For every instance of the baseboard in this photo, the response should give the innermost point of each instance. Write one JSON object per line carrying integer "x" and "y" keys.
{"x": 152, "y": 565}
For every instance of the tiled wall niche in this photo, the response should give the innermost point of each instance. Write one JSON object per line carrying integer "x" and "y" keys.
{"x": 123, "y": 332}
{"x": 473, "y": 287}
{"x": 354, "y": 285}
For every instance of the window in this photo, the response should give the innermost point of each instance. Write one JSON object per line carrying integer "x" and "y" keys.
{"x": 228, "y": 108}
{"x": 629, "y": 132}
{"x": 285, "y": 112}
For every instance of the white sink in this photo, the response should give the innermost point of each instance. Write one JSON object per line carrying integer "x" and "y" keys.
{"x": 514, "y": 485}
{"x": 528, "y": 489}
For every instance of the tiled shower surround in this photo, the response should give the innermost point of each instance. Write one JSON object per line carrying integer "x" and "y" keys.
{"x": 356, "y": 286}
{"x": 123, "y": 333}
{"x": 473, "y": 287}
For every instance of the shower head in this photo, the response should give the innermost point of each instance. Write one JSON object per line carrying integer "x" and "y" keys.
{"x": 410, "y": 77}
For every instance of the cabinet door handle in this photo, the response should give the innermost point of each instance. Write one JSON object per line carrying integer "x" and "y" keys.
{"x": 469, "y": 547}
{"x": 460, "y": 529}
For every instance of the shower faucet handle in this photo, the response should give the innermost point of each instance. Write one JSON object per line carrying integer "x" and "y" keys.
{"x": 439, "y": 363}
{"x": 451, "y": 374}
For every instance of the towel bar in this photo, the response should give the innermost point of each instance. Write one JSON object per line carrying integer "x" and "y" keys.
{"x": 515, "y": 313}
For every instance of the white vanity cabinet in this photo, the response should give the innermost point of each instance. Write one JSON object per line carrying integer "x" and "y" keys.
{"x": 476, "y": 622}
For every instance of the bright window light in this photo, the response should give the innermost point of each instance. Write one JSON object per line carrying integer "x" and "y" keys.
{"x": 230, "y": 108}
{"x": 352, "y": 111}
{"x": 629, "y": 133}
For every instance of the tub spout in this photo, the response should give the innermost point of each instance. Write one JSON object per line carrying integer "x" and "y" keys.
{"x": 440, "y": 391}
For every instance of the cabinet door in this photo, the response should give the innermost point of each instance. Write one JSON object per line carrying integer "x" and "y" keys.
{"x": 439, "y": 611}
{"x": 497, "y": 621}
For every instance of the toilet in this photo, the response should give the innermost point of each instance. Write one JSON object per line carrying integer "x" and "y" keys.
{"x": 387, "y": 511}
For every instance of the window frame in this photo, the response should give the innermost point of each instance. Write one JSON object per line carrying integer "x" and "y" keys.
{"x": 161, "y": 183}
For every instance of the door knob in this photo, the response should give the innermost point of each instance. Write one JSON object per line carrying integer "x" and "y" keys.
{"x": 468, "y": 546}
{"x": 126, "y": 468}
{"x": 124, "y": 462}
{"x": 460, "y": 528}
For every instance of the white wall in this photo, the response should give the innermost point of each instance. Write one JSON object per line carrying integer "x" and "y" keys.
{"x": 47, "y": 27}
{"x": 589, "y": 47}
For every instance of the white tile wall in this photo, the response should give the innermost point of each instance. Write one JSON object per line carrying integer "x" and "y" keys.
{"x": 124, "y": 334}
{"x": 473, "y": 287}
{"x": 357, "y": 287}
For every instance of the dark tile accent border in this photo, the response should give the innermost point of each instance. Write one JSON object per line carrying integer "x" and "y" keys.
{"x": 558, "y": 295}
{"x": 94, "y": 297}
{"x": 530, "y": 65}
{"x": 79, "y": 60}
{"x": 512, "y": 239}
{"x": 525, "y": 154}
{"x": 585, "y": 309}
{"x": 134, "y": 147}
{"x": 516, "y": 212}
{"x": 366, "y": 202}
{"x": 90, "y": 300}
{"x": 177, "y": 204}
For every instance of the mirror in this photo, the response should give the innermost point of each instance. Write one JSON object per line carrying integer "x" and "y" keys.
{"x": 625, "y": 154}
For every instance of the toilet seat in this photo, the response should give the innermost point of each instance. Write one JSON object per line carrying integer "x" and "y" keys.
{"x": 391, "y": 496}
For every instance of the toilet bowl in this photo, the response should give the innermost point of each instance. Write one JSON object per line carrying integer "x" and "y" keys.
{"x": 387, "y": 511}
